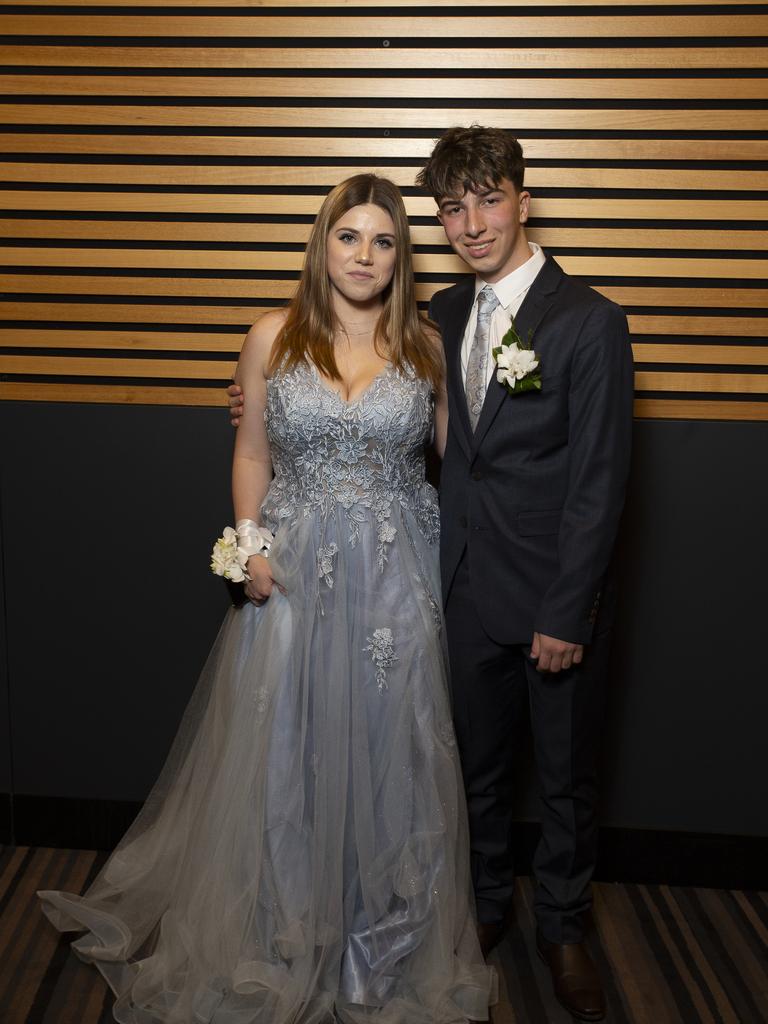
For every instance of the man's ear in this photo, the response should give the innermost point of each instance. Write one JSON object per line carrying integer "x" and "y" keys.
{"x": 525, "y": 203}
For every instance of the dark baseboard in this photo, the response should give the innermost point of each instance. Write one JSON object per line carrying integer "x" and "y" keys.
{"x": 6, "y": 819}
{"x": 683, "y": 858}
{"x": 645, "y": 856}
{"x": 70, "y": 823}
{"x": 654, "y": 857}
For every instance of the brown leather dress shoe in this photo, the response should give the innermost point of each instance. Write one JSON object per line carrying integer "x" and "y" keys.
{"x": 574, "y": 978}
{"x": 491, "y": 934}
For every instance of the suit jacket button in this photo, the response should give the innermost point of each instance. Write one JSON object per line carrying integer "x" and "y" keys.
{"x": 462, "y": 520}
{"x": 477, "y": 475}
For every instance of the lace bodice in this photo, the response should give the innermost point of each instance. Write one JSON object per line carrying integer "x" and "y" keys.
{"x": 363, "y": 456}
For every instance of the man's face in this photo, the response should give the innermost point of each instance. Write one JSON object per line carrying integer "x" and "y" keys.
{"x": 486, "y": 228}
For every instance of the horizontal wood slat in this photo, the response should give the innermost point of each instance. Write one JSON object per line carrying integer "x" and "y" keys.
{"x": 95, "y": 366}
{"x": 120, "y": 394}
{"x": 216, "y": 232}
{"x": 512, "y": 119}
{"x": 395, "y": 27}
{"x": 712, "y": 297}
{"x": 740, "y": 383}
{"x": 101, "y": 312}
{"x": 428, "y": 263}
{"x": 378, "y": 88}
{"x": 211, "y": 397}
{"x": 664, "y": 409}
{"x": 196, "y": 176}
{"x": 222, "y": 370}
{"x": 596, "y": 207}
{"x": 155, "y": 341}
{"x": 369, "y": 148}
{"x": 655, "y": 408}
{"x": 178, "y": 287}
{"x": 352, "y": 4}
{"x": 230, "y": 342}
{"x": 146, "y": 395}
{"x": 706, "y": 326}
{"x": 733, "y": 355}
{"x": 392, "y": 57}
{"x": 249, "y": 308}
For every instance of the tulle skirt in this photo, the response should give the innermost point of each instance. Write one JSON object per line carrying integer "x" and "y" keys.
{"x": 303, "y": 857}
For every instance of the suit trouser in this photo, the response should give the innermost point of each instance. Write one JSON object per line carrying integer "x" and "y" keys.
{"x": 494, "y": 686}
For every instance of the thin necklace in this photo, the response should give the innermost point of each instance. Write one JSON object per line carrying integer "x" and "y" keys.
{"x": 343, "y": 330}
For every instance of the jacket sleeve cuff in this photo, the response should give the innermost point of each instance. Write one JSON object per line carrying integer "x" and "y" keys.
{"x": 572, "y": 628}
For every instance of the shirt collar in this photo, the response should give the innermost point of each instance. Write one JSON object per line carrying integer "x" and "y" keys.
{"x": 520, "y": 280}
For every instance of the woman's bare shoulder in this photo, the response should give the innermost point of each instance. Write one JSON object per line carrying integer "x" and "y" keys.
{"x": 265, "y": 329}
{"x": 257, "y": 346}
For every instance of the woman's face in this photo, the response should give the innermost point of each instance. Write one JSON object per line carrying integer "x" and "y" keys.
{"x": 361, "y": 253}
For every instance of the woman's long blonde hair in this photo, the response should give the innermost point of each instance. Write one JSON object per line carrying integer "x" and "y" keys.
{"x": 402, "y": 334}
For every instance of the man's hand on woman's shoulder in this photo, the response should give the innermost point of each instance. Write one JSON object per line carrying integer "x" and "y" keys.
{"x": 236, "y": 402}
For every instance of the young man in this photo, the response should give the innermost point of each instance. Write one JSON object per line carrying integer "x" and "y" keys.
{"x": 532, "y": 488}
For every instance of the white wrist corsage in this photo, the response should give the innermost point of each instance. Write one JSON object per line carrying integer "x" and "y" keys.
{"x": 232, "y": 550}
{"x": 517, "y": 365}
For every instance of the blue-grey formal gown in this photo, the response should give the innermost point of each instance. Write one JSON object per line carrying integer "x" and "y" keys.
{"x": 303, "y": 857}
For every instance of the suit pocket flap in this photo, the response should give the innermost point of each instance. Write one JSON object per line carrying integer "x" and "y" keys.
{"x": 535, "y": 524}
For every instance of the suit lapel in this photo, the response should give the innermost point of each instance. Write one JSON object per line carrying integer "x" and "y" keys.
{"x": 535, "y": 305}
{"x": 453, "y": 334}
{"x": 540, "y": 297}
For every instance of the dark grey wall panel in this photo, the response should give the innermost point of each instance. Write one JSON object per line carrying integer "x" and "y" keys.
{"x": 6, "y": 777}
{"x": 105, "y": 645}
{"x": 686, "y": 739}
{"x": 110, "y": 623}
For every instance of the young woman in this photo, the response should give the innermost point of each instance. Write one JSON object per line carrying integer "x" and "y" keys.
{"x": 303, "y": 857}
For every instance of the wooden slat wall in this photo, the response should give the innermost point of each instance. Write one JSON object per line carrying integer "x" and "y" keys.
{"x": 161, "y": 163}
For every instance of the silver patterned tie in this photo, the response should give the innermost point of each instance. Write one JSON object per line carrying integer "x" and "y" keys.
{"x": 477, "y": 363}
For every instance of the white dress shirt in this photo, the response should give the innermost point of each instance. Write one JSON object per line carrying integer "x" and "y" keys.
{"x": 510, "y": 291}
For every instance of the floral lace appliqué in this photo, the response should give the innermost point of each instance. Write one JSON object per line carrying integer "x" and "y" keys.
{"x": 387, "y": 533}
{"x": 381, "y": 647}
{"x": 325, "y": 563}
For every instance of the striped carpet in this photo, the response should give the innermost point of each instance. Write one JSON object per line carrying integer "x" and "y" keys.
{"x": 667, "y": 956}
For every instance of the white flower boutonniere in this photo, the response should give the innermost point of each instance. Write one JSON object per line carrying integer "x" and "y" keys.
{"x": 517, "y": 365}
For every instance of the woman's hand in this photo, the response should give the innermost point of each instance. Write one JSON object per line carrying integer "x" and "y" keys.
{"x": 259, "y": 587}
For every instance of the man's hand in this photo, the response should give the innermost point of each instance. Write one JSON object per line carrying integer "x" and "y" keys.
{"x": 553, "y": 655}
{"x": 236, "y": 402}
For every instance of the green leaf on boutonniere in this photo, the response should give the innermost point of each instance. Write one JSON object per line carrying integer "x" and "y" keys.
{"x": 518, "y": 367}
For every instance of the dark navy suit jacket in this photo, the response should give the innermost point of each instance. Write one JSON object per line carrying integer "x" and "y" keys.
{"x": 535, "y": 494}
